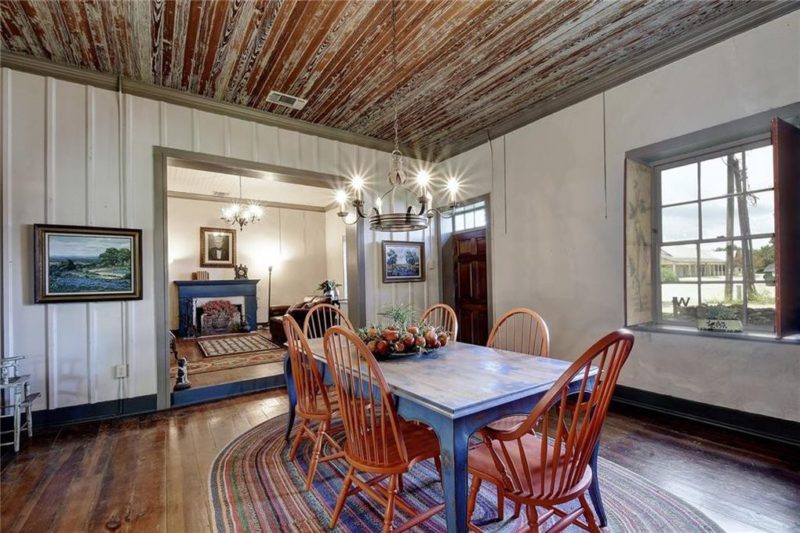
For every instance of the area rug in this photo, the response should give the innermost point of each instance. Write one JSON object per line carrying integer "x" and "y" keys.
{"x": 254, "y": 487}
{"x": 236, "y": 344}
{"x": 212, "y": 364}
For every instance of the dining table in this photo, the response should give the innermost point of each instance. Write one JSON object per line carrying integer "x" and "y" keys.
{"x": 457, "y": 390}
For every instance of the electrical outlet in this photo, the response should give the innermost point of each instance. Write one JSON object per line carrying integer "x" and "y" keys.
{"x": 121, "y": 371}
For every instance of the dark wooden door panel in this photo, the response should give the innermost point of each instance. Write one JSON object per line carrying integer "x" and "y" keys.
{"x": 471, "y": 295}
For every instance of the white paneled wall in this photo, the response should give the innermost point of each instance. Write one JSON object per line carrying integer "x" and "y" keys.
{"x": 62, "y": 164}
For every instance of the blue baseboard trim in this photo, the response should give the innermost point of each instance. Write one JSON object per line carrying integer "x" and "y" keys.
{"x": 755, "y": 425}
{"x": 226, "y": 390}
{"x": 93, "y": 411}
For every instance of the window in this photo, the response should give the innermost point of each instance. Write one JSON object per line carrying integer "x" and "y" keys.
{"x": 470, "y": 216}
{"x": 716, "y": 239}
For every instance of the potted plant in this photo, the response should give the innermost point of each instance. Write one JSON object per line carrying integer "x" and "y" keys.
{"x": 403, "y": 335}
{"x": 718, "y": 318}
{"x": 328, "y": 288}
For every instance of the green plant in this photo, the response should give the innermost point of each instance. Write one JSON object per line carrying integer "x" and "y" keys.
{"x": 717, "y": 312}
{"x": 328, "y": 285}
{"x": 668, "y": 276}
{"x": 399, "y": 315}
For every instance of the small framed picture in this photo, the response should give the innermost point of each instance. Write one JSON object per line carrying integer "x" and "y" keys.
{"x": 86, "y": 264}
{"x": 217, "y": 247}
{"x": 403, "y": 261}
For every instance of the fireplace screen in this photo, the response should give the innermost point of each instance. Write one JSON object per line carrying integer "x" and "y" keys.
{"x": 218, "y": 317}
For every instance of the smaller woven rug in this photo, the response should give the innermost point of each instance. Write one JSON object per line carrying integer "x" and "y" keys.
{"x": 256, "y": 488}
{"x": 212, "y": 364}
{"x": 237, "y": 344}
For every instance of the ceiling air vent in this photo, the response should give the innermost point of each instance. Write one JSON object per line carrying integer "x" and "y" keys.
{"x": 286, "y": 100}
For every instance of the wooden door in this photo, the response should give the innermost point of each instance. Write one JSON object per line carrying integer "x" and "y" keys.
{"x": 471, "y": 295}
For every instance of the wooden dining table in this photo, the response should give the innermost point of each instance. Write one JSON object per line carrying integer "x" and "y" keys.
{"x": 457, "y": 390}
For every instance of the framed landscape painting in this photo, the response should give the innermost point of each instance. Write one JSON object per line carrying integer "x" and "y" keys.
{"x": 403, "y": 261}
{"x": 86, "y": 264}
{"x": 217, "y": 247}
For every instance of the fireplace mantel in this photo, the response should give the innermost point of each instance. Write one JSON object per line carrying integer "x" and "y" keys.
{"x": 222, "y": 288}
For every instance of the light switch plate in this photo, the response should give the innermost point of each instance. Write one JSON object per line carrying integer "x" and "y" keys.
{"x": 121, "y": 371}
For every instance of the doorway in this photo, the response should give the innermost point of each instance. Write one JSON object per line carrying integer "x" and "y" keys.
{"x": 466, "y": 270}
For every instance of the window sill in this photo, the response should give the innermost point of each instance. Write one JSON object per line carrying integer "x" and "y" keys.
{"x": 693, "y": 332}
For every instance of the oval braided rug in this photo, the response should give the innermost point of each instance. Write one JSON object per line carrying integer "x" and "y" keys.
{"x": 254, "y": 487}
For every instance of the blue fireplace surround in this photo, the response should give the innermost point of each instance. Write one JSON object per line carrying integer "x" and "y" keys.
{"x": 223, "y": 288}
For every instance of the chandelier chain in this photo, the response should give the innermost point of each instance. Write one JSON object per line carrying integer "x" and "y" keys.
{"x": 394, "y": 71}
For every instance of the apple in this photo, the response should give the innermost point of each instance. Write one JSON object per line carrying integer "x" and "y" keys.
{"x": 409, "y": 340}
{"x": 437, "y": 344}
{"x": 420, "y": 341}
{"x": 398, "y": 347}
{"x": 372, "y": 333}
{"x": 390, "y": 334}
{"x": 372, "y": 346}
{"x": 382, "y": 347}
{"x": 412, "y": 329}
{"x": 430, "y": 338}
{"x": 442, "y": 339}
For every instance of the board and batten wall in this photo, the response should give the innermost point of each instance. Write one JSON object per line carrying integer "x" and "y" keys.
{"x": 561, "y": 250}
{"x": 292, "y": 240}
{"x": 63, "y": 163}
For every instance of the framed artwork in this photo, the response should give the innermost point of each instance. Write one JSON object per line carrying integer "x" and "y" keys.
{"x": 217, "y": 247}
{"x": 403, "y": 261}
{"x": 86, "y": 264}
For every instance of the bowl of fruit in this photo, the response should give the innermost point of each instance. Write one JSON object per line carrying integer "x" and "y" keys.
{"x": 396, "y": 340}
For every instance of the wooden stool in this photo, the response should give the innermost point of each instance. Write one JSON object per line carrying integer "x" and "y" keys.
{"x": 15, "y": 396}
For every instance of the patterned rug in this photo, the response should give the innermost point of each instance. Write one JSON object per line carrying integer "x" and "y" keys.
{"x": 254, "y": 487}
{"x": 236, "y": 344}
{"x": 212, "y": 364}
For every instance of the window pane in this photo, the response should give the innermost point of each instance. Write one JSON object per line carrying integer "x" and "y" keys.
{"x": 679, "y": 223}
{"x": 480, "y": 218}
{"x": 469, "y": 220}
{"x": 715, "y": 263}
{"x": 763, "y": 251}
{"x": 761, "y": 306}
{"x": 759, "y": 167}
{"x": 718, "y": 303}
{"x": 679, "y": 302}
{"x": 679, "y": 263}
{"x": 714, "y": 178}
{"x": 717, "y": 214}
{"x": 760, "y": 209}
{"x": 459, "y": 222}
{"x": 679, "y": 184}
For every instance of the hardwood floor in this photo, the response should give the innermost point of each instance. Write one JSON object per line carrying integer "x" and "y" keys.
{"x": 150, "y": 473}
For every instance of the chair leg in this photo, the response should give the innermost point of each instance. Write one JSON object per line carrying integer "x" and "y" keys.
{"x": 587, "y": 511}
{"x": 388, "y": 516}
{"x": 400, "y": 486}
{"x": 517, "y": 509}
{"x": 29, "y": 420}
{"x": 473, "y": 497}
{"x": 312, "y": 465}
{"x": 297, "y": 439}
{"x": 501, "y": 503}
{"x": 348, "y": 480}
{"x": 533, "y": 518}
{"x": 16, "y": 425}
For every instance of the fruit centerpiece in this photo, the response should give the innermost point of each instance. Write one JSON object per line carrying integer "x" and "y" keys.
{"x": 403, "y": 335}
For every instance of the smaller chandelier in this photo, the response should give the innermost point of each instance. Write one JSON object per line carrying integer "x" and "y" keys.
{"x": 241, "y": 215}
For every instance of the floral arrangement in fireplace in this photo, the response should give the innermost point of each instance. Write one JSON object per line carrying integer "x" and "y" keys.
{"x": 221, "y": 316}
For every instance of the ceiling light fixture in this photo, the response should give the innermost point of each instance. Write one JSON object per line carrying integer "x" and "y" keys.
{"x": 413, "y": 218}
{"x": 242, "y": 215}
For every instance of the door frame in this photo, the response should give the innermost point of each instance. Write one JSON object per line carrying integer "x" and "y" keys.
{"x": 445, "y": 250}
{"x": 164, "y": 157}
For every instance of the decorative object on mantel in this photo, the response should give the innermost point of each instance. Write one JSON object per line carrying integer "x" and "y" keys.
{"x": 403, "y": 261}
{"x": 182, "y": 378}
{"x": 240, "y": 272}
{"x": 217, "y": 247}
{"x": 387, "y": 219}
{"x": 86, "y": 264}
{"x": 15, "y": 397}
{"x": 329, "y": 289}
{"x": 241, "y": 215}
{"x": 403, "y": 336}
{"x": 201, "y": 275}
{"x": 718, "y": 318}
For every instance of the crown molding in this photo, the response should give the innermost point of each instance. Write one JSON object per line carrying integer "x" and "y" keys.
{"x": 232, "y": 199}
{"x": 722, "y": 29}
{"x": 32, "y": 65}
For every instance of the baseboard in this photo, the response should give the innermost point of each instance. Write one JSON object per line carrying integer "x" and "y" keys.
{"x": 89, "y": 412}
{"x": 761, "y": 426}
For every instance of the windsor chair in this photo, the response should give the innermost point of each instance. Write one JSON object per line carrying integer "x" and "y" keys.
{"x": 442, "y": 316}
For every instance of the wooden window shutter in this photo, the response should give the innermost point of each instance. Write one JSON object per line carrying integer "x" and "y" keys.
{"x": 638, "y": 221}
{"x": 786, "y": 160}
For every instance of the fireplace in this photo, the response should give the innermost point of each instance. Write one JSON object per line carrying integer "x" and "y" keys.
{"x": 219, "y": 316}
{"x": 196, "y": 294}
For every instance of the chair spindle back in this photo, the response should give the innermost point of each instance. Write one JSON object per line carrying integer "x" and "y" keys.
{"x": 442, "y": 316}
{"x": 568, "y": 420}
{"x": 371, "y": 424}
{"x": 321, "y": 317}
{"x": 312, "y": 396}
{"x": 521, "y": 330}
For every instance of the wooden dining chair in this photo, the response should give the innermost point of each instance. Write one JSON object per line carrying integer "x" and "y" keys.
{"x": 321, "y": 317}
{"x": 378, "y": 442}
{"x": 442, "y": 316}
{"x": 521, "y": 330}
{"x": 544, "y": 461}
{"x": 315, "y": 406}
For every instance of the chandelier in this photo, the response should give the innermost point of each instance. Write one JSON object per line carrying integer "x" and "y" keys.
{"x": 412, "y": 218}
{"x": 238, "y": 214}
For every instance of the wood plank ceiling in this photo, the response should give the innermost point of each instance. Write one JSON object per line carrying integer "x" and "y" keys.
{"x": 464, "y": 66}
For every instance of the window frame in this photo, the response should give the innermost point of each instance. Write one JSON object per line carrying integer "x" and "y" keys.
{"x": 471, "y": 208}
{"x": 697, "y": 157}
